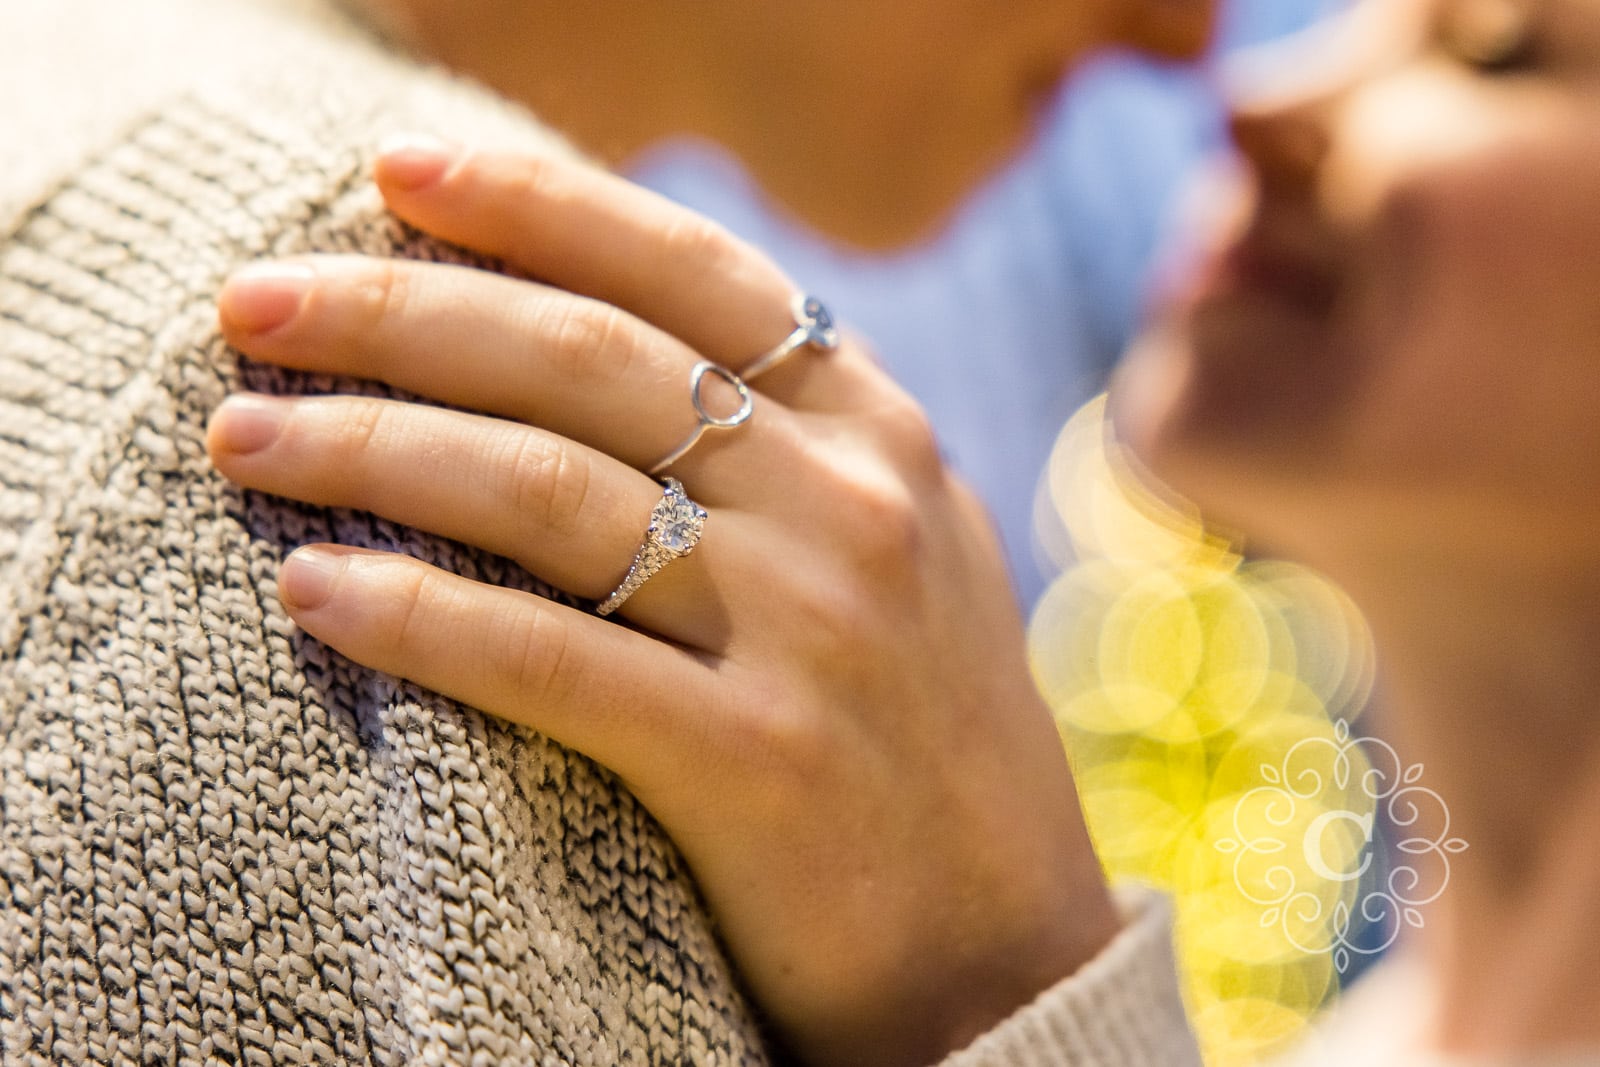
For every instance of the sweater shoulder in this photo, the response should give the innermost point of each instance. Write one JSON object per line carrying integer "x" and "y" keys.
{"x": 108, "y": 274}
{"x": 80, "y": 76}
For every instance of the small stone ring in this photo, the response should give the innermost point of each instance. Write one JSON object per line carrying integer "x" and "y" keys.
{"x": 814, "y": 327}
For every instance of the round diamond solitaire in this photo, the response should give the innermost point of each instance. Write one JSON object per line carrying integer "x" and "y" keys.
{"x": 674, "y": 530}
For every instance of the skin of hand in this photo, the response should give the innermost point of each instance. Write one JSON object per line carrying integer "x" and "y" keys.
{"x": 827, "y": 704}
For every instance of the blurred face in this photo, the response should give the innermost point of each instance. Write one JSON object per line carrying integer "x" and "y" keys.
{"x": 875, "y": 117}
{"x": 869, "y": 118}
{"x": 1394, "y": 346}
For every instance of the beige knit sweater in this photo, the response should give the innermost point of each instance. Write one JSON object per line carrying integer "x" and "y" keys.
{"x": 220, "y": 843}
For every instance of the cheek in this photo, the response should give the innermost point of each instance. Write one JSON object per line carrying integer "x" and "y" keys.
{"x": 1482, "y": 320}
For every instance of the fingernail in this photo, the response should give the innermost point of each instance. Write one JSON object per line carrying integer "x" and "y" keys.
{"x": 264, "y": 296}
{"x": 307, "y": 577}
{"x": 411, "y": 161}
{"x": 245, "y": 424}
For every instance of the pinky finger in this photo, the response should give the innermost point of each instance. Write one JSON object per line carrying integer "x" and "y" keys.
{"x": 618, "y": 696}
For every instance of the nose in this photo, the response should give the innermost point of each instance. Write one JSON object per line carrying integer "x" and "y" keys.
{"x": 1285, "y": 146}
{"x": 1284, "y": 97}
{"x": 1180, "y": 30}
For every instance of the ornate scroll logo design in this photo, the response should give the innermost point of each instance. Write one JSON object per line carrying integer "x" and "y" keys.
{"x": 1315, "y": 823}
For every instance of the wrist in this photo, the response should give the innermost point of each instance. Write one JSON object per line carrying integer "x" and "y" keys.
{"x": 1006, "y": 978}
{"x": 939, "y": 995}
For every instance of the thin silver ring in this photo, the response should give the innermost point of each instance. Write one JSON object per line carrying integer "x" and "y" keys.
{"x": 676, "y": 523}
{"x": 708, "y": 421}
{"x": 814, "y": 327}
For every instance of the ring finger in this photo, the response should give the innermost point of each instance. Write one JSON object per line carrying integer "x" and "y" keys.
{"x": 565, "y": 512}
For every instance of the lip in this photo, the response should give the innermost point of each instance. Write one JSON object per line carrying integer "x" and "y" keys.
{"x": 1267, "y": 263}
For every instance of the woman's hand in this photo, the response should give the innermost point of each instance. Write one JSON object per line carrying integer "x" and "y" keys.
{"x": 826, "y": 704}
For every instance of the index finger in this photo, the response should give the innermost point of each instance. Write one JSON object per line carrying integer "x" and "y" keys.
{"x": 590, "y": 232}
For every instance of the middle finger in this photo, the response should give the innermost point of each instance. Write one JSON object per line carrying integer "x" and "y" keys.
{"x": 567, "y": 364}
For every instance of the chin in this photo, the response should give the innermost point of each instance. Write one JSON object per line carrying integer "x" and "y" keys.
{"x": 878, "y": 225}
{"x": 891, "y": 194}
{"x": 1230, "y": 413}
{"x": 874, "y": 217}
{"x": 1147, "y": 401}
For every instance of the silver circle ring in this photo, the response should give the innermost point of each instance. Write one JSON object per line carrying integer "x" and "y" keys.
{"x": 706, "y": 419}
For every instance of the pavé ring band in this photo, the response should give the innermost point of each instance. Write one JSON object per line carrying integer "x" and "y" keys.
{"x": 674, "y": 530}
{"x": 708, "y": 421}
{"x": 813, "y": 326}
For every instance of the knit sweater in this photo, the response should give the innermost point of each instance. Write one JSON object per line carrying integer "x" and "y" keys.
{"x": 220, "y": 842}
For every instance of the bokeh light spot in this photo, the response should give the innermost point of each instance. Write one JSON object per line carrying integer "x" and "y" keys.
{"x": 1202, "y": 702}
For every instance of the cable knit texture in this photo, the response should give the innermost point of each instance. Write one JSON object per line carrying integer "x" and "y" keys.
{"x": 222, "y": 843}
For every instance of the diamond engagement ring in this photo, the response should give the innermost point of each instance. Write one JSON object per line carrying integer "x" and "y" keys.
{"x": 674, "y": 530}
{"x": 708, "y": 421}
{"x": 813, "y": 326}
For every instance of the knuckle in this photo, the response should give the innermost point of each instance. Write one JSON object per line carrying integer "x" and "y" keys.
{"x": 548, "y": 482}
{"x": 968, "y": 503}
{"x": 344, "y": 446}
{"x": 884, "y": 521}
{"x": 790, "y": 747}
{"x": 909, "y": 438}
{"x": 824, "y": 609}
{"x": 535, "y": 653}
{"x": 705, "y": 245}
{"x": 362, "y": 430}
{"x": 416, "y": 593}
{"x": 380, "y": 295}
{"x": 773, "y": 739}
{"x": 835, "y": 615}
{"x": 969, "y": 500}
{"x": 529, "y": 178}
{"x": 593, "y": 343}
